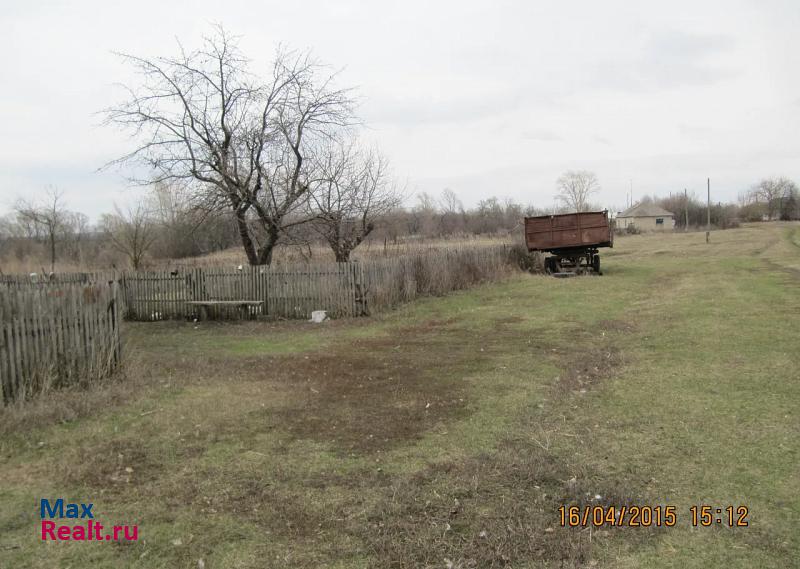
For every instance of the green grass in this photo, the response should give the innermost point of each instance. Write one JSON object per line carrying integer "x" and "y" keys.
{"x": 450, "y": 429}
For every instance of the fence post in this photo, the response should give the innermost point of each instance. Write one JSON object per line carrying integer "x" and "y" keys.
{"x": 362, "y": 308}
{"x": 5, "y": 371}
{"x": 200, "y": 275}
{"x": 114, "y": 319}
{"x": 126, "y": 294}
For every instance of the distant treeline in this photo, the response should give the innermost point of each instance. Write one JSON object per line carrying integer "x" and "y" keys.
{"x": 769, "y": 200}
{"x": 165, "y": 226}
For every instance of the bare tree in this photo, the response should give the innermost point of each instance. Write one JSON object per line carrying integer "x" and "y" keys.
{"x": 7, "y": 230}
{"x": 789, "y": 203}
{"x": 450, "y": 202}
{"x": 238, "y": 143}
{"x": 575, "y": 187}
{"x": 425, "y": 202}
{"x": 46, "y": 219}
{"x": 75, "y": 230}
{"x": 772, "y": 191}
{"x": 452, "y": 216}
{"x": 131, "y": 231}
{"x": 488, "y": 216}
{"x": 423, "y": 215}
{"x": 177, "y": 221}
{"x": 355, "y": 190}
{"x": 745, "y": 198}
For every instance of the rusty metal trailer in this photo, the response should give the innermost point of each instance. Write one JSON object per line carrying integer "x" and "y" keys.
{"x": 572, "y": 239}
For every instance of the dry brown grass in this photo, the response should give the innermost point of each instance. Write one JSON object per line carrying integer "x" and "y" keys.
{"x": 289, "y": 254}
{"x": 36, "y": 260}
{"x": 69, "y": 404}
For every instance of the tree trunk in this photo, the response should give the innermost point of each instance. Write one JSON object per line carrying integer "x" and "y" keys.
{"x": 265, "y": 252}
{"x": 52, "y": 251}
{"x": 342, "y": 255}
{"x": 247, "y": 241}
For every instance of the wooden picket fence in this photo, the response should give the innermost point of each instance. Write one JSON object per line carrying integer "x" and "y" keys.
{"x": 283, "y": 292}
{"x": 53, "y": 336}
{"x": 289, "y": 291}
{"x": 342, "y": 289}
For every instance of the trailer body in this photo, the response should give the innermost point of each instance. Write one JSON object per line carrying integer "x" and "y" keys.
{"x": 572, "y": 239}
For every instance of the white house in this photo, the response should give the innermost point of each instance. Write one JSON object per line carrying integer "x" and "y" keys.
{"x": 646, "y": 217}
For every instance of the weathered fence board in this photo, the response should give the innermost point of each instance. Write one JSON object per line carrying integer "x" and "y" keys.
{"x": 285, "y": 292}
{"x": 56, "y": 336}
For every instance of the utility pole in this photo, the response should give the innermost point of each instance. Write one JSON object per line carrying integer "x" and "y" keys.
{"x": 708, "y": 211}
{"x": 685, "y": 209}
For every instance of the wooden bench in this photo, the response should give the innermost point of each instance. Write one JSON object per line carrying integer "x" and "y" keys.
{"x": 204, "y": 305}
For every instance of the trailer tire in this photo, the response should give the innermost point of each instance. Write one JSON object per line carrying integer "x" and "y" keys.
{"x": 596, "y": 263}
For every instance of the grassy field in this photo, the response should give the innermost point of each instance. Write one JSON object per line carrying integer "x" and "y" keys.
{"x": 449, "y": 432}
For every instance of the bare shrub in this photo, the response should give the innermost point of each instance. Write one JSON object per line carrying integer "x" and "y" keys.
{"x": 131, "y": 231}
{"x": 531, "y": 262}
{"x": 434, "y": 273}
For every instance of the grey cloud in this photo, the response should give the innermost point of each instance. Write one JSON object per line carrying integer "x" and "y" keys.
{"x": 667, "y": 60}
{"x": 542, "y": 135}
{"x": 695, "y": 131}
{"x": 415, "y": 111}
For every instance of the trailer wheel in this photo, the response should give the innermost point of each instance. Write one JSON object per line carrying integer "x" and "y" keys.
{"x": 596, "y": 263}
{"x": 549, "y": 265}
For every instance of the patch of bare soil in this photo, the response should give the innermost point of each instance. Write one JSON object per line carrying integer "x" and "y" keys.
{"x": 379, "y": 392}
{"x": 367, "y": 402}
{"x": 586, "y": 369}
{"x": 502, "y": 323}
{"x": 120, "y": 464}
{"x": 616, "y": 326}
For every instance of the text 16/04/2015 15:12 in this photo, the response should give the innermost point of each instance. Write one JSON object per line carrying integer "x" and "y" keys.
{"x": 647, "y": 516}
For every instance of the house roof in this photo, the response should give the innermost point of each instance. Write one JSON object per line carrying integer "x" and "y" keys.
{"x": 646, "y": 210}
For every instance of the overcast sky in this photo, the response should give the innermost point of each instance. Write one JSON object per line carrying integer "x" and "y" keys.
{"x": 486, "y": 98}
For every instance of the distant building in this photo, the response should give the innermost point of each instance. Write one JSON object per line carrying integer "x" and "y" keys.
{"x": 646, "y": 217}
